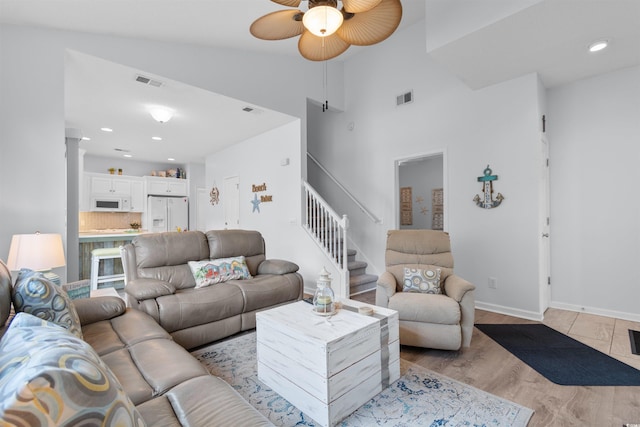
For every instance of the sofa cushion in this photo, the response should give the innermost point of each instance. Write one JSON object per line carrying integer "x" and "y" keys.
{"x": 426, "y": 281}
{"x": 164, "y": 256}
{"x": 130, "y": 328}
{"x": 38, "y": 296}
{"x": 210, "y": 272}
{"x": 277, "y": 266}
{"x": 193, "y": 307}
{"x": 426, "y": 308}
{"x": 91, "y": 310}
{"x": 48, "y": 377}
{"x": 202, "y": 401}
{"x": 266, "y": 290}
{"x": 230, "y": 243}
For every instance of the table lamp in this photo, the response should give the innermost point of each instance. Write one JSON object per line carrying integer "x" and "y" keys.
{"x": 39, "y": 252}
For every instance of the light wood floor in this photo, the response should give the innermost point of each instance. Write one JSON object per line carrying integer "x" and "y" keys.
{"x": 489, "y": 367}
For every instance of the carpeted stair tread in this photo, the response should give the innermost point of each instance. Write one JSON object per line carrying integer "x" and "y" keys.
{"x": 354, "y": 265}
{"x": 362, "y": 279}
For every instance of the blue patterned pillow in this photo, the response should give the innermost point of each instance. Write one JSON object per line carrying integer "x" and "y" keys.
{"x": 219, "y": 270}
{"x": 38, "y": 296}
{"x": 49, "y": 377}
{"x": 423, "y": 281}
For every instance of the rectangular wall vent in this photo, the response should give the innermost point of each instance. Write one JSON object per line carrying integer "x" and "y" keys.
{"x": 405, "y": 98}
{"x": 148, "y": 81}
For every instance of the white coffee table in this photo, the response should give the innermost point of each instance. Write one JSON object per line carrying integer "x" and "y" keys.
{"x": 327, "y": 366}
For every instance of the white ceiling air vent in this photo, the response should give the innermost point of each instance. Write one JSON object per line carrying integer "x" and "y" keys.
{"x": 253, "y": 110}
{"x": 405, "y": 98}
{"x": 148, "y": 81}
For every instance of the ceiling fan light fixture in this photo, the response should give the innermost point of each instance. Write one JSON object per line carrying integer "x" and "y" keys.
{"x": 322, "y": 21}
{"x": 161, "y": 115}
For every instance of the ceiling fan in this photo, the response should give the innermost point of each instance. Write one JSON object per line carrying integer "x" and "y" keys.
{"x": 327, "y": 31}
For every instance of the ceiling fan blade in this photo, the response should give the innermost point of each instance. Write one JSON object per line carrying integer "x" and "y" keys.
{"x": 316, "y": 48}
{"x": 358, "y": 6}
{"x": 278, "y": 25}
{"x": 373, "y": 26}
{"x": 290, "y": 3}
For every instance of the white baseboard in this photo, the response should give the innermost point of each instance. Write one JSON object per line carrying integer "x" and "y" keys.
{"x": 509, "y": 311}
{"x": 531, "y": 315}
{"x": 633, "y": 317}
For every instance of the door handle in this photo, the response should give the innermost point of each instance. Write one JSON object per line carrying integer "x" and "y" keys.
{"x": 545, "y": 234}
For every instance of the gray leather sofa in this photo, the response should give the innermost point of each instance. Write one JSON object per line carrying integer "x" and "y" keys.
{"x": 158, "y": 281}
{"x": 166, "y": 384}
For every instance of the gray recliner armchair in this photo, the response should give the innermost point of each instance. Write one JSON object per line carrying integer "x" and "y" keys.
{"x": 439, "y": 321}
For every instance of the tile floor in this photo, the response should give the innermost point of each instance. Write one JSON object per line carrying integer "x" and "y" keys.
{"x": 606, "y": 334}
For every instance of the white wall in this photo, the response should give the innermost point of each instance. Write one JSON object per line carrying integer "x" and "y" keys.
{"x": 32, "y": 105}
{"x": 257, "y": 161}
{"x": 594, "y": 137}
{"x": 130, "y": 167}
{"x": 497, "y": 125}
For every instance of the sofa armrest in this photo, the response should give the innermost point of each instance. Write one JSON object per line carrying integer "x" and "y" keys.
{"x": 277, "y": 266}
{"x": 385, "y": 289}
{"x": 142, "y": 289}
{"x": 456, "y": 287}
{"x": 92, "y": 310}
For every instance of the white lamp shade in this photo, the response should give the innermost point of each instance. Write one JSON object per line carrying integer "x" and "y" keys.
{"x": 35, "y": 251}
{"x": 322, "y": 21}
{"x": 161, "y": 115}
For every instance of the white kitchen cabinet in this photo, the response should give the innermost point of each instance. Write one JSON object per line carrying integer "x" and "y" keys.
{"x": 159, "y": 186}
{"x": 113, "y": 185}
{"x": 137, "y": 195}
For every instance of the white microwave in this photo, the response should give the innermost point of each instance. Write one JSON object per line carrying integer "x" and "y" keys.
{"x": 110, "y": 204}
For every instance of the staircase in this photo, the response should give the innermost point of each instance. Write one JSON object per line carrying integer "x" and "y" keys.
{"x": 329, "y": 230}
{"x": 359, "y": 280}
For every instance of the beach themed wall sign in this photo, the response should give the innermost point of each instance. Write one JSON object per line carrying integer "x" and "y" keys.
{"x": 258, "y": 188}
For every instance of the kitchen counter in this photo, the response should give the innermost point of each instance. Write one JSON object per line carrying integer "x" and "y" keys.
{"x": 96, "y": 235}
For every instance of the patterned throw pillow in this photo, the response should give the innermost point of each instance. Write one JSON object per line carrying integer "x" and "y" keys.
{"x": 38, "y": 296}
{"x": 49, "y": 377}
{"x": 424, "y": 281}
{"x": 219, "y": 270}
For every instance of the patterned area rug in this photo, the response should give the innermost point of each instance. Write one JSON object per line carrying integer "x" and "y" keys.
{"x": 419, "y": 398}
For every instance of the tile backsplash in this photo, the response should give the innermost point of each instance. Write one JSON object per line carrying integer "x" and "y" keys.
{"x": 107, "y": 220}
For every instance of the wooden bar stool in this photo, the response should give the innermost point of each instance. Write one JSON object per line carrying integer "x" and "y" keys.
{"x": 98, "y": 255}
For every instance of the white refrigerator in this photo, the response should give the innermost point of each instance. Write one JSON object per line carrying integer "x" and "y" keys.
{"x": 167, "y": 214}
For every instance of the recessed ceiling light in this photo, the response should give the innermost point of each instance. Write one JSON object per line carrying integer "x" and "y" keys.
{"x": 86, "y": 138}
{"x": 127, "y": 155}
{"x": 161, "y": 114}
{"x": 171, "y": 159}
{"x": 598, "y": 46}
{"x": 106, "y": 129}
{"x": 156, "y": 138}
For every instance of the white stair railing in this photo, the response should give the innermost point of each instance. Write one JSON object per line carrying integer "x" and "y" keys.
{"x": 329, "y": 230}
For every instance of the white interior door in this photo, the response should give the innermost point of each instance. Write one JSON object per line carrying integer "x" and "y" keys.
{"x": 231, "y": 202}
{"x": 545, "y": 238}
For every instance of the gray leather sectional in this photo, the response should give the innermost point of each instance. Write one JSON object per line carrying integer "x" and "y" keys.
{"x": 145, "y": 346}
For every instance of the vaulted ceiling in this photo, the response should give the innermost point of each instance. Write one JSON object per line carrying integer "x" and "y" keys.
{"x": 481, "y": 41}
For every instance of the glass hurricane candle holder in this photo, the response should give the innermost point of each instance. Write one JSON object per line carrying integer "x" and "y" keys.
{"x": 324, "y": 298}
